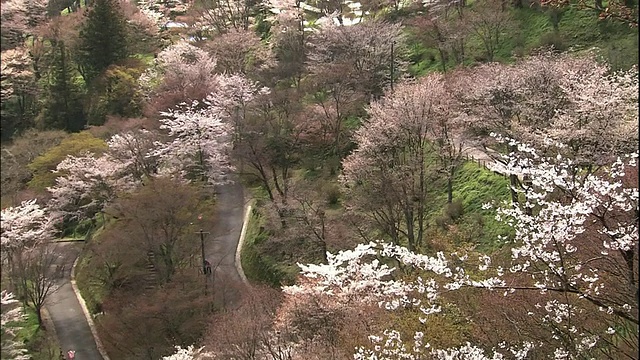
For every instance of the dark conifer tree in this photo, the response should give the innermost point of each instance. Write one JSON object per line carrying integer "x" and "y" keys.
{"x": 103, "y": 38}
{"x": 63, "y": 103}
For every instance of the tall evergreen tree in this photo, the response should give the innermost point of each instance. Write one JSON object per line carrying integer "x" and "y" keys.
{"x": 103, "y": 38}
{"x": 63, "y": 103}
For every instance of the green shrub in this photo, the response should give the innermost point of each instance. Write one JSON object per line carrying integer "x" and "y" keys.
{"x": 43, "y": 166}
{"x": 554, "y": 40}
{"x": 257, "y": 266}
{"x": 442, "y": 222}
{"x": 332, "y": 194}
{"x": 454, "y": 210}
{"x": 116, "y": 92}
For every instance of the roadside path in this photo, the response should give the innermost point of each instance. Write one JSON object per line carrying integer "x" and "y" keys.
{"x": 222, "y": 242}
{"x": 483, "y": 156}
{"x": 65, "y": 311}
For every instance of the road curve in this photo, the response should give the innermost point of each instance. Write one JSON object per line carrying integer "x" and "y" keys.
{"x": 72, "y": 328}
{"x": 68, "y": 318}
{"x": 222, "y": 242}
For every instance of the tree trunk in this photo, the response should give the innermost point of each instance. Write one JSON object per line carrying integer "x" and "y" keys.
{"x": 38, "y": 309}
{"x": 555, "y": 19}
{"x": 443, "y": 59}
{"x": 450, "y": 189}
{"x": 528, "y": 210}
{"x": 513, "y": 179}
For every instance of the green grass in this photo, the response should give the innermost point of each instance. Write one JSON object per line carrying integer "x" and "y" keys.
{"x": 39, "y": 343}
{"x": 92, "y": 291}
{"x": 533, "y": 28}
{"x": 474, "y": 186}
{"x": 65, "y": 11}
{"x": 147, "y": 59}
{"x": 29, "y": 326}
{"x": 258, "y": 265}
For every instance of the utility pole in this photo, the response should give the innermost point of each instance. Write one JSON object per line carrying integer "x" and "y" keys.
{"x": 204, "y": 261}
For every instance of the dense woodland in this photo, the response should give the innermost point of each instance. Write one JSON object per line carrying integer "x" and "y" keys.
{"x": 430, "y": 180}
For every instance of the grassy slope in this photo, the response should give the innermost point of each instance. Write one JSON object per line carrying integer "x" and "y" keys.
{"x": 258, "y": 267}
{"x": 473, "y": 184}
{"x": 577, "y": 30}
{"x": 38, "y": 341}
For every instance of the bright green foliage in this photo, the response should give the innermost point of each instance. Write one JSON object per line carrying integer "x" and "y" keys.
{"x": 259, "y": 265}
{"x": 62, "y": 108}
{"x": 116, "y": 92}
{"x": 75, "y": 145}
{"x": 104, "y": 38}
{"x": 474, "y": 186}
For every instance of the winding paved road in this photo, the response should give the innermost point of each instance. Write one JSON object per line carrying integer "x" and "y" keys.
{"x": 65, "y": 310}
{"x": 222, "y": 242}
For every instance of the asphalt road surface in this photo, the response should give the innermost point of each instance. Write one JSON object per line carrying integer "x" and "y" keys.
{"x": 65, "y": 311}
{"x": 221, "y": 244}
{"x": 220, "y": 247}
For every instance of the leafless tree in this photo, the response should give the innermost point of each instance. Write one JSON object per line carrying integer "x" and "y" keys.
{"x": 489, "y": 21}
{"x": 36, "y": 274}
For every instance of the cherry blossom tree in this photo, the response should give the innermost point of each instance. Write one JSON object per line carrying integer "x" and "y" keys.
{"x": 223, "y": 15}
{"x": 25, "y": 231}
{"x": 348, "y": 65}
{"x": 133, "y": 149}
{"x": 575, "y": 255}
{"x": 88, "y": 184}
{"x": 23, "y": 226}
{"x": 388, "y": 176}
{"x": 19, "y": 19}
{"x": 161, "y": 10}
{"x": 158, "y": 219}
{"x": 18, "y": 90}
{"x": 183, "y": 73}
{"x": 239, "y": 51}
{"x": 442, "y": 29}
{"x": 17, "y": 73}
{"x": 619, "y": 10}
{"x": 271, "y": 142}
{"x": 358, "y": 55}
{"x": 234, "y": 100}
{"x": 200, "y": 142}
{"x": 36, "y": 275}
{"x": 602, "y": 110}
{"x": 11, "y": 314}
{"x": 518, "y": 101}
{"x": 288, "y": 13}
{"x": 288, "y": 40}
{"x": 490, "y": 21}
{"x": 246, "y": 332}
{"x": 572, "y": 99}
{"x": 189, "y": 353}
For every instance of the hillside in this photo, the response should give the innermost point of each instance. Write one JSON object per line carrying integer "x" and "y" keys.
{"x": 429, "y": 179}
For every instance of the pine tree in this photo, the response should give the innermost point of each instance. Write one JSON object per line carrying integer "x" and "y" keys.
{"x": 103, "y": 38}
{"x": 63, "y": 106}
